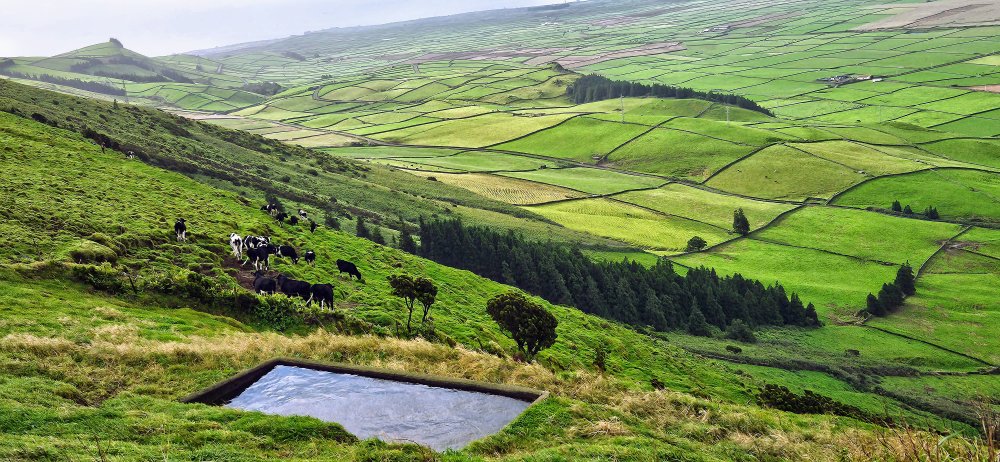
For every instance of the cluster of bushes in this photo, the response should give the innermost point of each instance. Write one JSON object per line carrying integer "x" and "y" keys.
{"x": 929, "y": 212}
{"x": 597, "y": 88}
{"x": 624, "y": 291}
{"x": 263, "y": 88}
{"x": 779, "y": 397}
{"x": 892, "y": 295}
{"x": 96, "y": 87}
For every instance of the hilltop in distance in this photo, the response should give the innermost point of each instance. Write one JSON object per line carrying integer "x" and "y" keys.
{"x": 722, "y": 230}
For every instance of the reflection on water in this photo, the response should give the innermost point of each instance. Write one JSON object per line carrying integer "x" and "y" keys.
{"x": 440, "y": 418}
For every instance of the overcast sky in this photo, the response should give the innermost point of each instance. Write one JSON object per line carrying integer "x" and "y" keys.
{"x": 161, "y": 27}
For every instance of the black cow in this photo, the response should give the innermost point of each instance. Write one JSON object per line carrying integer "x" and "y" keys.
{"x": 312, "y": 226}
{"x": 347, "y": 267}
{"x": 293, "y": 220}
{"x": 180, "y": 228}
{"x": 281, "y": 216}
{"x": 294, "y": 288}
{"x": 287, "y": 251}
{"x": 310, "y": 257}
{"x": 322, "y": 293}
{"x": 263, "y": 284}
{"x": 260, "y": 256}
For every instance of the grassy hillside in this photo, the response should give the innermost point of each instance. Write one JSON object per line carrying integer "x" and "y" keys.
{"x": 84, "y": 372}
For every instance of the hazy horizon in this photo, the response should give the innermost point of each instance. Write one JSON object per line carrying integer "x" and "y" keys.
{"x": 162, "y": 27}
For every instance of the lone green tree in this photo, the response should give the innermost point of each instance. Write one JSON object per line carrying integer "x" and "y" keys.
{"x": 907, "y": 210}
{"x": 413, "y": 290}
{"x": 426, "y": 295}
{"x": 404, "y": 287}
{"x": 897, "y": 207}
{"x": 529, "y": 324}
{"x": 696, "y": 243}
{"x": 905, "y": 279}
{"x": 740, "y": 223}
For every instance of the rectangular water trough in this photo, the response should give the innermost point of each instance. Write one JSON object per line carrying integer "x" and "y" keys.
{"x": 438, "y": 412}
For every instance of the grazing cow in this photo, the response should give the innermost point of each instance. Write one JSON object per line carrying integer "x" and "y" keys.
{"x": 280, "y": 216}
{"x": 287, "y": 251}
{"x": 260, "y": 256}
{"x": 347, "y": 267}
{"x": 312, "y": 226}
{"x": 252, "y": 242}
{"x": 294, "y": 288}
{"x": 263, "y": 284}
{"x": 322, "y": 293}
{"x": 180, "y": 228}
{"x": 293, "y": 220}
{"x": 310, "y": 257}
{"x": 236, "y": 242}
{"x": 303, "y": 214}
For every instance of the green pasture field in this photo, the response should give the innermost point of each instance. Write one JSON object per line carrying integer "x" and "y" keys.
{"x": 829, "y": 345}
{"x": 479, "y": 131}
{"x": 581, "y": 138}
{"x": 589, "y": 180}
{"x": 677, "y": 153}
{"x": 476, "y": 161}
{"x": 826, "y": 385}
{"x": 628, "y": 223}
{"x": 956, "y": 193}
{"x": 859, "y": 157}
{"x": 376, "y": 152}
{"x": 733, "y": 132}
{"x": 956, "y": 304}
{"x": 504, "y": 189}
{"x": 705, "y": 206}
{"x": 834, "y": 283}
{"x": 869, "y": 236}
{"x": 945, "y": 391}
{"x": 781, "y": 172}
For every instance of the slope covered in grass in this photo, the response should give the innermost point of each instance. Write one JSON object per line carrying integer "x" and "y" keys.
{"x": 81, "y": 370}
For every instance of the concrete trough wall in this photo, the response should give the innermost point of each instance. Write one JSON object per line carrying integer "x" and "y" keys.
{"x": 223, "y": 392}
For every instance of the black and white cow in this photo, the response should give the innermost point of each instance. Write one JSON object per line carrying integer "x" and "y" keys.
{"x": 287, "y": 251}
{"x": 322, "y": 293}
{"x": 294, "y": 288}
{"x": 252, "y": 242}
{"x": 236, "y": 243}
{"x": 312, "y": 226}
{"x": 310, "y": 257}
{"x": 263, "y": 284}
{"x": 351, "y": 269}
{"x": 260, "y": 256}
{"x": 180, "y": 228}
{"x": 303, "y": 214}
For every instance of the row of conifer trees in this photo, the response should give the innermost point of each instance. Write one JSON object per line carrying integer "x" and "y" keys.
{"x": 625, "y": 291}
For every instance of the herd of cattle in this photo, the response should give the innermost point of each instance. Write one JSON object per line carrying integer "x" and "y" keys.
{"x": 259, "y": 249}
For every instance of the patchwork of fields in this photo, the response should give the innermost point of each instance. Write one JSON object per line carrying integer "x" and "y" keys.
{"x": 863, "y": 116}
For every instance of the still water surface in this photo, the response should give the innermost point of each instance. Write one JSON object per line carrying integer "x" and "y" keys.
{"x": 440, "y": 418}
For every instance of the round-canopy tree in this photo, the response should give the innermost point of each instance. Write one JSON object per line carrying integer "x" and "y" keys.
{"x": 529, "y": 324}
